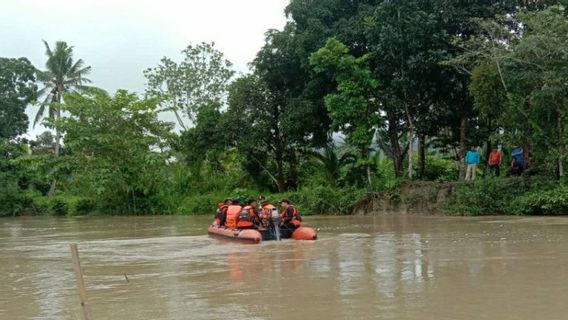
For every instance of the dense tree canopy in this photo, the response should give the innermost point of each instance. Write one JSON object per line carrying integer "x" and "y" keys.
{"x": 348, "y": 97}
{"x": 199, "y": 81}
{"x": 117, "y": 147}
{"x": 17, "y": 90}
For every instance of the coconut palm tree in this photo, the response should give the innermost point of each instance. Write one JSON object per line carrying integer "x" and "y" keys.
{"x": 331, "y": 162}
{"x": 62, "y": 74}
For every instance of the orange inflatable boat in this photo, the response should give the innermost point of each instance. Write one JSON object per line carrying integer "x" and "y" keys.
{"x": 256, "y": 236}
{"x": 248, "y": 235}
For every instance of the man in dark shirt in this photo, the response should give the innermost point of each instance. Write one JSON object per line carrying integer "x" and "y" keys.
{"x": 291, "y": 218}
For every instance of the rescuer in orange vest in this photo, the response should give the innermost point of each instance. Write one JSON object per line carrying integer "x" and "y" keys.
{"x": 291, "y": 218}
{"x": 221, "y": 213}
{"x": 248, "y": 217}
{"x": 233, "y": 212}
{"x": 265, "y": 209}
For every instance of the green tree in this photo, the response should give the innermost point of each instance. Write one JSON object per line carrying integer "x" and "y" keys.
{"x": 199, "y": 81}
{"x": 490, "y": 99}
{"x": 43, "y": 144}
{"x": 17, "y": 90}
{"x": 62, "y": 74}
{"x": 117, "y": 149}
{"x": 354, "y": 108}
{"x": 204, "y": 142}
{"x": 332, "y": 163}
{"x": 257, "y": 125}
{"x": 538, "y": 68}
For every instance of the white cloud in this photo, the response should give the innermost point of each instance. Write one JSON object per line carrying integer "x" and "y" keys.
{"x": 121, "y": 38}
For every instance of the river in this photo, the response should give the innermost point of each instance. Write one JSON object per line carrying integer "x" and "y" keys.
{"x": 383, "y": 267}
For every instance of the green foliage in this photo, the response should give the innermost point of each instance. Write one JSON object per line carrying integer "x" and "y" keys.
{"x": 321, "y": 199}
{"x": 63, "y": 205}
{"x": 204, "y": 142}
{"x": 441, "y": 169}
{"x": 116, "y": 149}
{"x": 377, "y": 73}
{"x": 12, "y": 198}
{"x": 199, "y": 81}
{"x": 487, "y": 90}
{"x": 256, "y": 124}
{"x": 492, "y": 196}
{"x": 17, "y": 90}
{"x": 63, "y": 74}
{"x": 483, "y": 197}
{"x": 332, "y": 164}
{"x": 200, "y": 204}
{"x": 551, "y": 201}
{"x": 354, "y": 107}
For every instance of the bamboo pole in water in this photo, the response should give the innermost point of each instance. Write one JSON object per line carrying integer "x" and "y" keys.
{"x": 87, "y": 313}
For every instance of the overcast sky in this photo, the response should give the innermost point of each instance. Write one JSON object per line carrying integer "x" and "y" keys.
{"x": 121, "y": 38}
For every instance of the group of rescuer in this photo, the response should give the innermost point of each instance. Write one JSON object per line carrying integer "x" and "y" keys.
{"x": 255, "y": 214}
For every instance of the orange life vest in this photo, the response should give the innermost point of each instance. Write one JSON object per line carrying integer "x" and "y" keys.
{"x": 220, "y": 214}
{"x": 233, "y": 216}
{"x": 295, "y": 219}
{"x": 246, "y": 217}
{"x": 267, "y": 211}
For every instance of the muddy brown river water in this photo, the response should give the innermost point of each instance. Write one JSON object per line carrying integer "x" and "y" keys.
{"x": 384, "y": 267}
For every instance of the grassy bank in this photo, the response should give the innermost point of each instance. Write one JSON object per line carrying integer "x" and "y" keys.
{"x": 510, "y": 196}
{"x": 310, "y": 201}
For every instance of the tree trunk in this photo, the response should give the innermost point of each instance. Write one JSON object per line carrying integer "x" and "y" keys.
{"x": 278, "y": 142}
{"x": 421, "y": 156}
{"x": 463, "y": 122}
{"x": 279, "y": 158}
{"x": 365, "y": 155}
{"x": 410, "y": 152}
{"x": 292, "y": 181}
{"x": 395, "y": 144}
{"x": 280, "y": 181}
{"x": 57, "y": 150}
{"x": 561, "y": 146}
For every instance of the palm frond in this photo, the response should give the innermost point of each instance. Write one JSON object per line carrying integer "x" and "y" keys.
{"x": 84, "y": 88}
{"x": 78, "y": 69}
{"x": 45, "y": 76}
{"x": 43, "y": 91}
{"x": 41, "y": 111}
{"x": 48, "y": 51}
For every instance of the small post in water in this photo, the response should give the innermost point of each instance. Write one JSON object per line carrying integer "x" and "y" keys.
{"x": 88, "y": 315}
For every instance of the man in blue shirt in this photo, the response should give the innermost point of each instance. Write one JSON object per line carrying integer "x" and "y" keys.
{"x": 472, "y": 159}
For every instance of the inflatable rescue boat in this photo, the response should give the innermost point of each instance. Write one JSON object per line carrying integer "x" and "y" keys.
{"x": 256, "y": 236}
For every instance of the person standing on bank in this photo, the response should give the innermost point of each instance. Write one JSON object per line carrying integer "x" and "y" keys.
{"x": 472, "y": 159}
{"x": 495, "y": 160}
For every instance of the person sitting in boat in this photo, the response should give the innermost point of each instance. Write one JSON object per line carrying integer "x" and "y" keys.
{"x": 221, "y": 213}
{"x": 265, "y": 210}
{"x": 249, "y": 216}
{"x": 233, "y": 212}
{"x": 291, "y": 218}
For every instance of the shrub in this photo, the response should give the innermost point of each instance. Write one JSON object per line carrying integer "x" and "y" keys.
{"x": 319, "y": 200}
{"x": 440, "y": 169}
{"x": 506, "y": 196}
{"x": 200, "y": 204}
{"x": 553, "y": 201}
{"x": 484, "y": 197}
{"x": 63, "y": 205}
